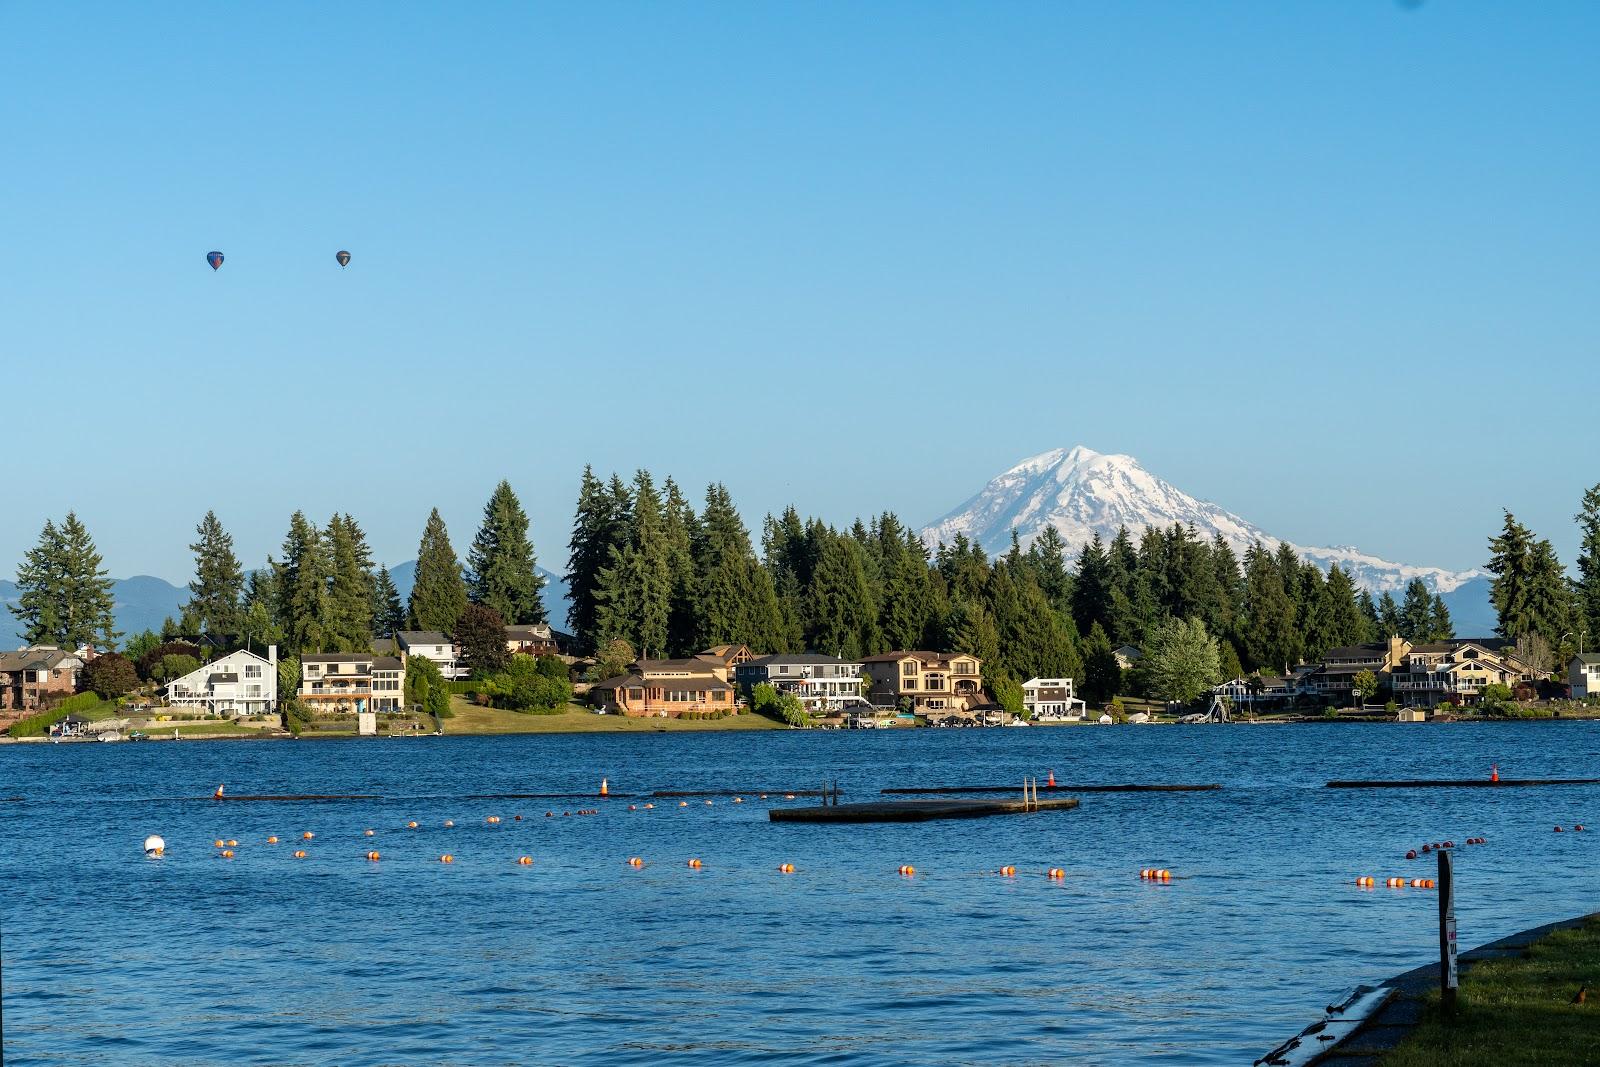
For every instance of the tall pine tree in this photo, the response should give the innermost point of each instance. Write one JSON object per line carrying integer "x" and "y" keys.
{"x": 439, "y": 594}
{"x": 64, "y": 597}
{"x": 301, "y": 583}
{"x": 504, "y": 575}
{"x": 1586, "y": 591}
{"x": 388, "y": 613}
{"x": 216, "y": 592}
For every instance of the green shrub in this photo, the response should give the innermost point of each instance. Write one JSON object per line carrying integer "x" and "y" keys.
{"x": 79, "y": 702}
{"x": 37, "y": 724}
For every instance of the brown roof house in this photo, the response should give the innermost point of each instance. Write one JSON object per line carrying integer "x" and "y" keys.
{"x": 939, "y": 682}
{"x": 37, "y": 675}
{"x": 665, "y": 688}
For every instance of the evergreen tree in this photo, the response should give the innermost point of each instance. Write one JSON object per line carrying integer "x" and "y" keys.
{"x": 679, "y": 528}
{"x": 972, "y": 631}
{"x": 1348, "y": 624}
{"x": 839, "y": 600}
{"x": 1586, "y": 591}
{"x": 64, "y": 597}
{"x": 1035, "y": 641}
{"x": 503, "y": 573}
{"x": 218, "y": 586}
{"x": 1416, "y": 613}
{"x": 1230, "y": 588}
{"x": 1268, "y": 634}
{"x": 635, "y": 593}
{"x": 596, "y": 530}
{"x": 1091, "y": 591}
{"x": 1530, "y": 591}
{"x": 1048, "y": 556}
{"x": 439, "y": 594}
{"x": 1369, "y": 618}
{"x": 1102, "y": 674}
{"x": 388, "y": 613}
{"x": 1389, "y": 621}
{"x": 1440, "y": 626}
{"x": 350, "y": 587}
{"x": 907, "y": 613}
{"x": 1315, "y": 612}
{"x": 301, "y": 582}
{"x": 736, "y": 602}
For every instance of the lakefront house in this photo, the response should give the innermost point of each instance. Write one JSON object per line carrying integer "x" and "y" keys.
{"x": 37, "y": 675}
{"x": 351, "y": 683}
{"x": 937, "y": 682}
{"x": 1052, "y": 700}
{"x": 822, "y": 683}
{"x": 435, "y": 646}
{"x": 666, "y": 688}
{"x": 240, "y": 683}
{"x": 1583, "y": 674}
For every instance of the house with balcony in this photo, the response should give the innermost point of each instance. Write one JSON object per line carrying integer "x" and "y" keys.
{"x": 1333, "y": 680}
{"x": 824, "y": 684}
{"x": 665, "y": 689}
{"x": 350, "y": 683}
{"x": 1259, "y": 692}
{"x": 937, "y": 682}
{"x": 33, "y": 677}
{"x": 239, "y": 683}
{"x": 435, "y": 646}
{"x": 1583, "y": 675}
{"x": 1455, "y": 671}
{"x": 1052, "y": 700}
{"x": 536, "y": 639}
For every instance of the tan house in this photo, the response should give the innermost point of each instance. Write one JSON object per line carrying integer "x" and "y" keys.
{"x": 1457, "y": 671}
{"x": 665, "y": 688}
{"x": 727, "y": 657}
{"x": 1334, "y": 679}
{"x": 352, "y": 682}
{"x": 37, "y": 675}
{"x": 939, "y": 682}
{"x": 532, "y": 639}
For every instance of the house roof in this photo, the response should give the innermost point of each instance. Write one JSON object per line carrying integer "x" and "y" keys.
{"x": 925, "y": 657}
{"x": 1588, "y": 659}
{"x": 384, "y": 646}
{"x": 31, "y": 659}
{"x": 529, "y": 631}
{"x": 336, "y": 657}
{"x": 1488, "y": 644}
{"x": 422, "y": 637}
{"x": 795, "y": 657}
{"x": 388, "y": 663}
{"x": 692, "y": 664}
{"x": 1373, "y": 651}
{"x": 703, "y": 684}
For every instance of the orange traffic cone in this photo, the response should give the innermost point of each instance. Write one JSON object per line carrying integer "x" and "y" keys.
{"x": 1494, "y": 772}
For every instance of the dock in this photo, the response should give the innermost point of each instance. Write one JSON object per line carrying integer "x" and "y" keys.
{"x": 1462, "y": 783}
{"x": 919, "y": 810}
{"x": 1058, "y": 788}
{"x": 675, "y": 793}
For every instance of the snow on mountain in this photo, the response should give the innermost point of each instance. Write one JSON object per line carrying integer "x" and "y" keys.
{"x": 1082, "y": 492}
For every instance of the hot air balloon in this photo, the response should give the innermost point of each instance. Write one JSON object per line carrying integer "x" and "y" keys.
{"x": 215, "y": 259}
{"x": 343, "y": 258}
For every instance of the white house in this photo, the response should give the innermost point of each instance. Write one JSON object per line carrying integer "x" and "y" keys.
{"x": 1052, "y": 700}
{"x": 1127, "y": 656}
{"x": 1584, "y": 675}
{"x": 823, "y": 683}
{"x": 240, "y": 683}
{"x": 431, "y": 644}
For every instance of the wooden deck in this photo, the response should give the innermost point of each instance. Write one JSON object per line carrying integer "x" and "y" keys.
{"x": 919, "y": 810}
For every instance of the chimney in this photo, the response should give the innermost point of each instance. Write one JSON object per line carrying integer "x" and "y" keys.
{"x": 272, "y": 655}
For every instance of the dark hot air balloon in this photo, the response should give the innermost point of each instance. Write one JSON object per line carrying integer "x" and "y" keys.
{"x": 215, "y": 259}
{"x": 343, "y": 258}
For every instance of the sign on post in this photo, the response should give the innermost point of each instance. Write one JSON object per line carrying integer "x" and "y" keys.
{"x": 1447, "y": 931}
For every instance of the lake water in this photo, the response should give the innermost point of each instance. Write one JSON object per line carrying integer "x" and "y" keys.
{"x": 110, "y": 957}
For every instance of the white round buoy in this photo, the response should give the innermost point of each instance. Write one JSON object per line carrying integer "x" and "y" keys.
{"x": 154, "y": 845}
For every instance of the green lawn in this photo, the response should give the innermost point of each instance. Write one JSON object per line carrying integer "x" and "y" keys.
{"x": 1518, "y": 1011}
{"x": 471, "y": 719}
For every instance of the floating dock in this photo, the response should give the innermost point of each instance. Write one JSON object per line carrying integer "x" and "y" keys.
{"x": 1059, "y": 788}
{"x": 919, "y": 810}
{"x": 1463, "y": 783}
{"x": 670, "y": 793}
{"x": 292, "y": 796}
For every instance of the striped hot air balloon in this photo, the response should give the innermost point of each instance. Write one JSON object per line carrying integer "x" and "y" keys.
{"x": 215, "y": 259}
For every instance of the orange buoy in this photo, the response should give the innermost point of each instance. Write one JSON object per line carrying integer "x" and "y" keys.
{"x": 1364, "y": 881}
{"x": 217, "y": 843}
{"x": 370, "y": 832}
{"x": 227, "y": 853}
{"x": 308, "y": 835}
{"x": 412, "y": 825}
{"x": 1164, "y": 875}
{"x": 683, "y": 803}
{"x": 232, "y": 843}
{"x": 696, "y": 864}
{"x": 300, "y": 854}
{"x": 648, "y": 807}
{"x": 272, "y": 840}
{"x": 786, "y": 868}
{"x": 525, "y": 861}
{"x": 449, "y": 823}
{"x": 1008, "y": 871}
{"x": 635, "y": 862}
{"x": 907, "y": 869}
{"x": 738, "y": 800}
{"x": 1395, "y": 883}
{"x": 1056, "y": 873}
{"x": 447, "y": 858}
{"x": 373, "y": 856}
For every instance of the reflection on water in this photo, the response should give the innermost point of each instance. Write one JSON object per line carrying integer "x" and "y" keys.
{"x": 112, "y": 958}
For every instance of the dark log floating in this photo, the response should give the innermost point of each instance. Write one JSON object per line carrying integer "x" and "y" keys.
{"x": 1463, "y": 783}
{"x": 543, "y": 796}
{"x": 298, "y": 796}
{"x": 770, "y": 793}
{"x": 1058, "y": 788}
{"x": 918, "y": 810}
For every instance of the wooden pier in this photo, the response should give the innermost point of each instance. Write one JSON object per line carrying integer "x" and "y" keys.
{"x": 919, "y": 810}
{"x": 1463, "y": 783}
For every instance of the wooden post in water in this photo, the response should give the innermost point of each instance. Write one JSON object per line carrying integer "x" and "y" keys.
{"x": 1447, "y": 932}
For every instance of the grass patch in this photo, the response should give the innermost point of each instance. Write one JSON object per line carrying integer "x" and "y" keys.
{"x": 471, "y": 719}
{"x": 1517, "y": 1011}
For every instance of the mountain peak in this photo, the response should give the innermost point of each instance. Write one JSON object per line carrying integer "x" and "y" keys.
{"x": 1080, "y": 493}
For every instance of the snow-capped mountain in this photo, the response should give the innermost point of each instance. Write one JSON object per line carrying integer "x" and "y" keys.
{"x": 1082, "y": 492}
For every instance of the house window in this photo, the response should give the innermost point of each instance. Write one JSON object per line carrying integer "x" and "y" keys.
{"x": 252, "y": 670}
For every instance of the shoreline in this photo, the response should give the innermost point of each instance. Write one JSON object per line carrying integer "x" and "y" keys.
{"x": 1405, "y": 1004}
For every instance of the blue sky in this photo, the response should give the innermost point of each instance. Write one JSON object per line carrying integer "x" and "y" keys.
{"x": 1329, "y": 264}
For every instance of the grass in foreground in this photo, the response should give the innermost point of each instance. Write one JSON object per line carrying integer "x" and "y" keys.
{"x": 471, "y": 719}
{"x": 1518, "y": 1011}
